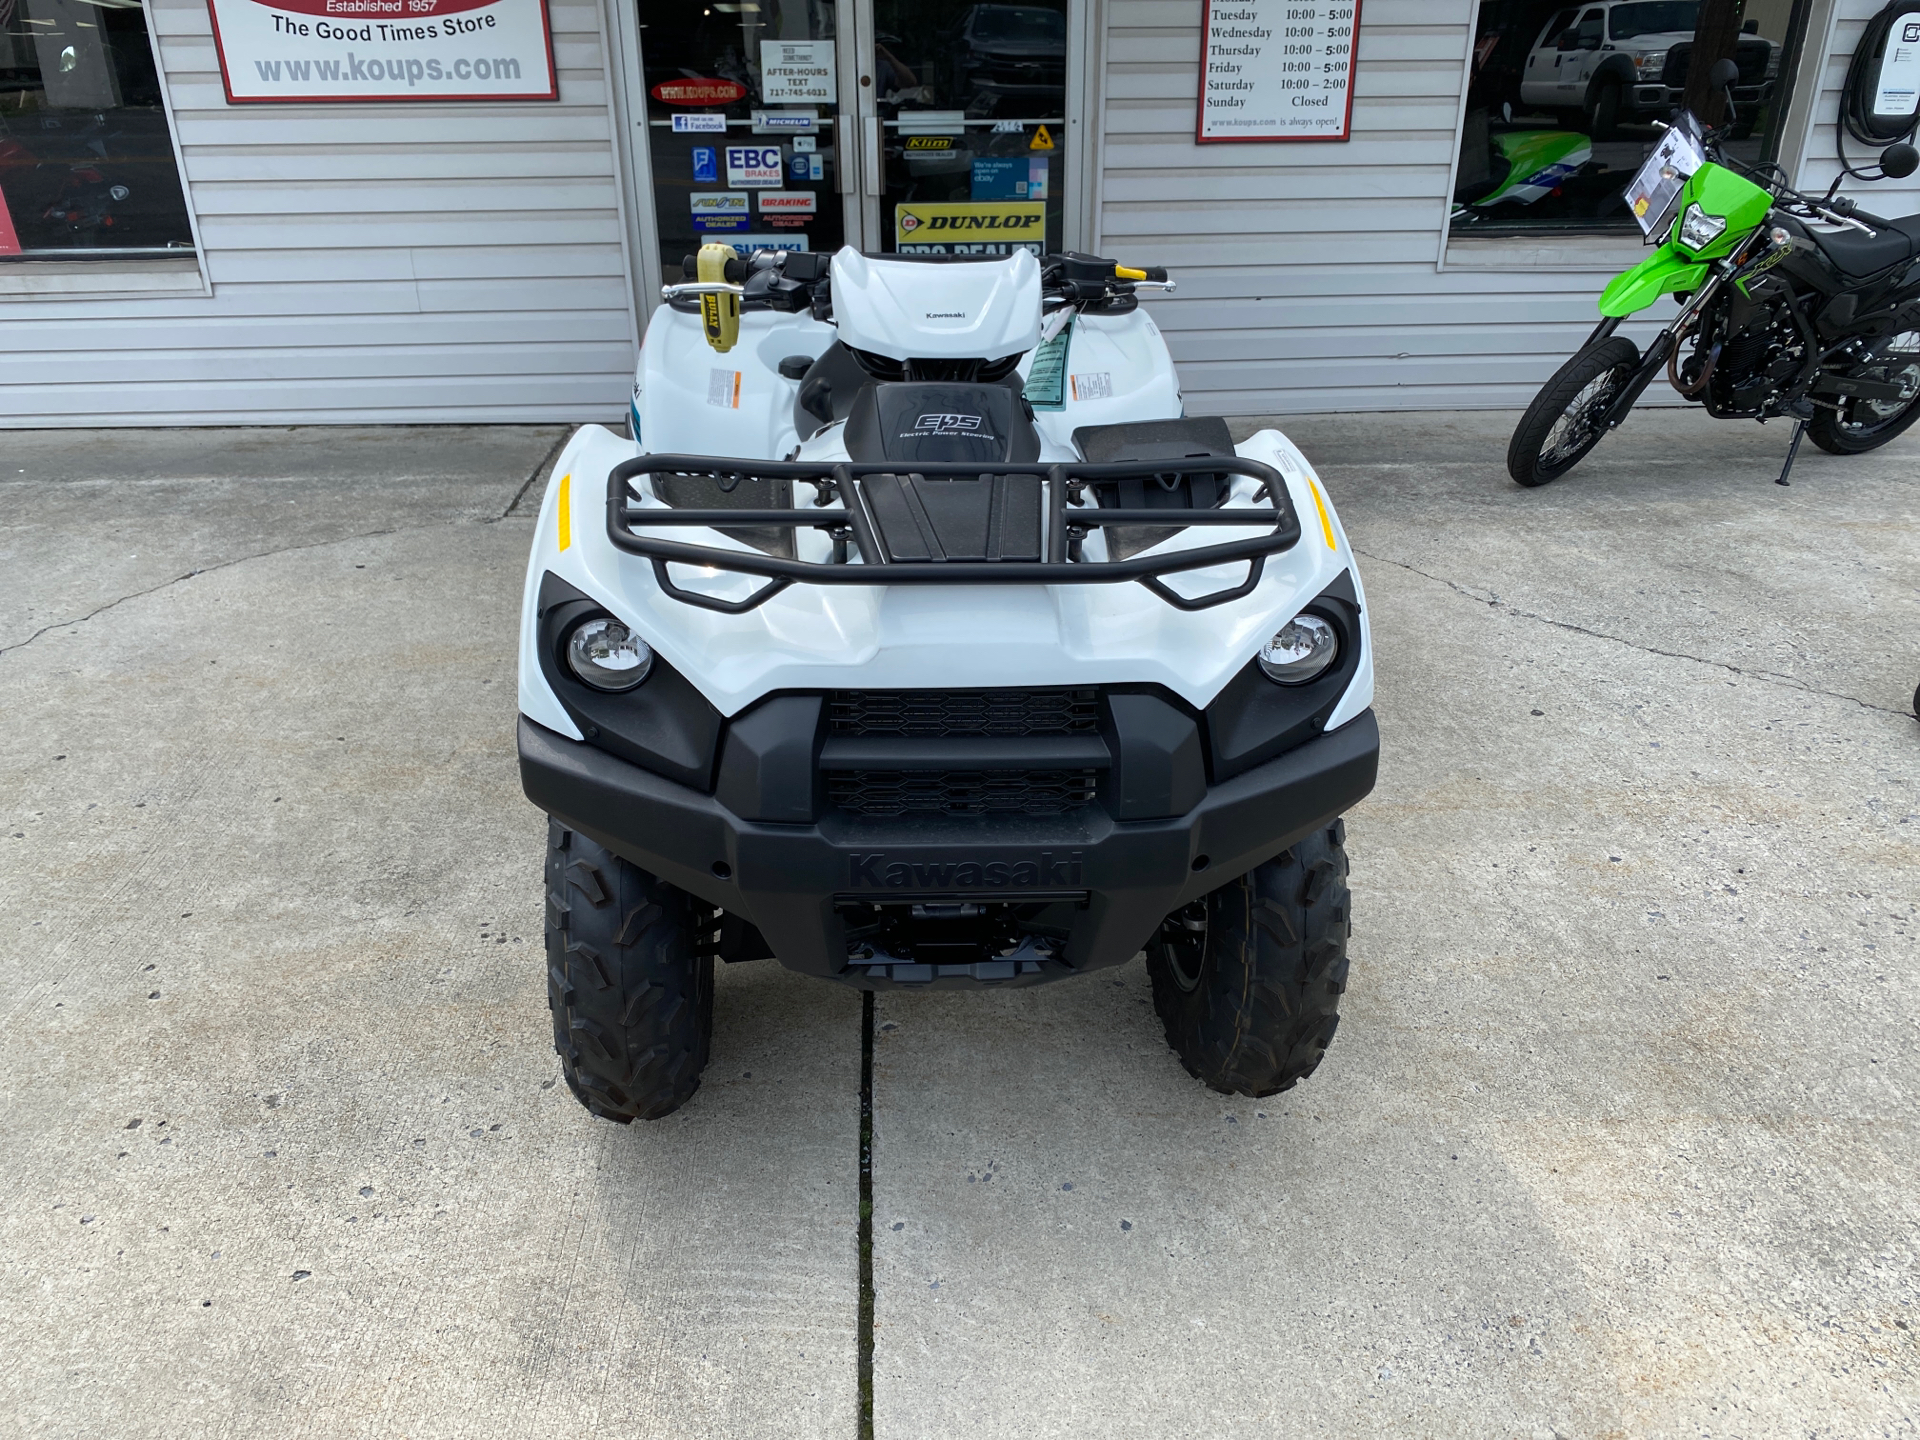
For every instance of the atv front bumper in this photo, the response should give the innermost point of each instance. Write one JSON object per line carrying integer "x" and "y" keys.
{"x": 1109, "y": 882}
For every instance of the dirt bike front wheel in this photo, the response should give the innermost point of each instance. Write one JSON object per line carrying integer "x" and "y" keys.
{"x": 1567, "y": 417}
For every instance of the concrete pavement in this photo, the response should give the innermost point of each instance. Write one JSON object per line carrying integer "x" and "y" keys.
{"x": 1616, "y": 1137}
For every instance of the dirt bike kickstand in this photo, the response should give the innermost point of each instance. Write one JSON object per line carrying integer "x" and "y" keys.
{"x": 1793, "y": 449}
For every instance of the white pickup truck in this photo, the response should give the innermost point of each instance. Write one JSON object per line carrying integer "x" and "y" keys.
{"x": 1618, "y": 61}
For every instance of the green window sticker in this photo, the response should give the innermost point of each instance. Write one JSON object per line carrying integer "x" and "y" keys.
{"x": 1047, "y": 380}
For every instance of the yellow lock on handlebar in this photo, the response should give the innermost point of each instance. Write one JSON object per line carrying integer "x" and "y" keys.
{"x": 1122, "y": 272}
{"x": 719, "y": 314}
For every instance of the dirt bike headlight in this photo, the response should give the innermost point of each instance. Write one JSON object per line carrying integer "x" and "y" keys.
{"x": 1302, "y": 650}
{"x": 605, "y": 654}
{"x": 1699, "y": 229}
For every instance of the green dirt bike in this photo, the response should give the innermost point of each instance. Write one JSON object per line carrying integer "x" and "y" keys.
{"x": 1790, "y": 307}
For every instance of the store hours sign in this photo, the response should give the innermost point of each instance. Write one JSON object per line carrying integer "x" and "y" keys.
{"x": 1277, "y": 70}
{"x": 306, "y": 50}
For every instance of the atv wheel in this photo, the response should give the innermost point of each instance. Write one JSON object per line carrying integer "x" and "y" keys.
{"x": 1566, "y": 418}
{"x": 1870, "y": 423}
{"x": 1248, "y": 980}
{"x": 632, "y": 1001}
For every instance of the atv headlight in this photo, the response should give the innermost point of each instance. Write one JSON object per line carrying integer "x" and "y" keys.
{"x": 1699, "y": 229}
{"x": 605, "y": 654}
{"x": 1302, "y": 650}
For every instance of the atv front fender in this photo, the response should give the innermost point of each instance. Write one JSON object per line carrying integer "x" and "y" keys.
{"x": 1661, "y": 273}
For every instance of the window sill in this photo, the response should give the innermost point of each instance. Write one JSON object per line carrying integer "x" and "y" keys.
{"x": 1544, "y": 252}
{"x": 100, "y": 279}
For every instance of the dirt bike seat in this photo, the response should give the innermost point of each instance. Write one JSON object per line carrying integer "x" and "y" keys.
{"x": 1853, "y": 253}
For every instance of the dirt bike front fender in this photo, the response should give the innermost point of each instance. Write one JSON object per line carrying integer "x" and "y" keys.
{"x": 1661, "y": 273}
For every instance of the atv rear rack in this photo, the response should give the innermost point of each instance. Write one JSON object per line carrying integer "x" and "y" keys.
{"x": 990, "y": 532}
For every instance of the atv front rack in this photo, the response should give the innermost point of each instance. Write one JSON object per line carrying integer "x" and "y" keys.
{"x": 949, "y": 524}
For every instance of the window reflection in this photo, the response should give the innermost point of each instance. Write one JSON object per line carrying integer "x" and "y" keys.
{"x": 86, "y": 160}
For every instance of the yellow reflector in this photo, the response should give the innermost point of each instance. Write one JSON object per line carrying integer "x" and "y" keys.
{"x": 566, "y": 511}
{"x": 1326, "y": 524}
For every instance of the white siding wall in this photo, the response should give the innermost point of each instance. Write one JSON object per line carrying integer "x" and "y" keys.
{"x": 1818, "y": 166}
{"x": 1308, "y": 272}
{"x": 368, "y": 263}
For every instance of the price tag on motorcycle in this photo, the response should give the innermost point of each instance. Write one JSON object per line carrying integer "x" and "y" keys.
{"x": 1655, "y": 190}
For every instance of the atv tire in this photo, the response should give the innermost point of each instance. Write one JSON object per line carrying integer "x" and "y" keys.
{"x": 628, "y": 979}
{"x": 1248, "y": 980}
{"x": 1563, "y": 423}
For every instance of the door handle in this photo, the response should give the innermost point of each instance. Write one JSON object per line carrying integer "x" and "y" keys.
{"x": 872, "y": 166}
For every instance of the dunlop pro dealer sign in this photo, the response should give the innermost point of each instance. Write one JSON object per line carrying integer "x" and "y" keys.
{"x": 979, "y": 228}
{"x": 307, "y": 50}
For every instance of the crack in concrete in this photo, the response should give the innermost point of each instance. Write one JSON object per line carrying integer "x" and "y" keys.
{"x": 538, "y": 470}
{"x": 545, "y": 467}
{"x": 1767, "y": 677}
{"x": 210, "y": 569}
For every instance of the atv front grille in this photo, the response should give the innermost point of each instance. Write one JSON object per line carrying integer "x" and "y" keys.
{"x": 932, "y": 713}
{"x": 960, "y": 792}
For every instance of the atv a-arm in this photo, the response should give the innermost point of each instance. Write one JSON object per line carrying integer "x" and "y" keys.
{"x": 882, "y": 513}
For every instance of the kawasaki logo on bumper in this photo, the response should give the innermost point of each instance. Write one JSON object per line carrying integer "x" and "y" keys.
{"x": 1050, "y": 868}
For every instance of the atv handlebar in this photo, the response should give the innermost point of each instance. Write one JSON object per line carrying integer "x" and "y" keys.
{"x": 792, "y": 281}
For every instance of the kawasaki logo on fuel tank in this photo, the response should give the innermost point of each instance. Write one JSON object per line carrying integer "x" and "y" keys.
{"x": 1049, "y": 868}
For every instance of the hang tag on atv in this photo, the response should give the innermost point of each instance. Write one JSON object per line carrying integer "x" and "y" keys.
{"x": 1047, "y": 378}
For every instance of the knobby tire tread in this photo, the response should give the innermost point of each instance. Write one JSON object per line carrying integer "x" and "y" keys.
{"x": 1267, "y": 1003}
{"x": 1523, "y": 452}
{"x": 632, "y": 1001}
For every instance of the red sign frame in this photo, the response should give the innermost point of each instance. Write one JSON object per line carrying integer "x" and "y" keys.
{"x": 1200, "y": 105}
{"x": 434, "y": 7}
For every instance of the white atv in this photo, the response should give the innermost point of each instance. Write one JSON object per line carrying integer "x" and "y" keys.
{"x": 917, "y": 640}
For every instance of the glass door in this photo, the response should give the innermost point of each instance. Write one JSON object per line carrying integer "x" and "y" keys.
{"x": 743, "y": 125}
{"x": 963, "y": 111}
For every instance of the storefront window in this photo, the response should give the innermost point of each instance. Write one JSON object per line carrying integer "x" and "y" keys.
{"x": 972, "y": 103}
{"x": 87, "y": 164}
{"x": 744, "y": 124}
{"x": 1563, "y": 99}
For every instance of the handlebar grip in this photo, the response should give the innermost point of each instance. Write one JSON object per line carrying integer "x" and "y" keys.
{"x": 1157, "y": 273}
{"x": 737, "y": 268}
{"x": 1858, "y": 214}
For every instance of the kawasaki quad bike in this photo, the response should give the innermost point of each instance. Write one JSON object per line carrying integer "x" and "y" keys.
{"x": 918, "y": 641}
{"x": 1790, "y": 306}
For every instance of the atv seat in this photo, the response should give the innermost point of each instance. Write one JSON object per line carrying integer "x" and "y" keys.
{"x": 1855, "y": 254}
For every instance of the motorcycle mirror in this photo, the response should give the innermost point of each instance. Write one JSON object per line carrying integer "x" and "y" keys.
{"x": 1899, "y": 161}
{"x": 1723, "y": 75}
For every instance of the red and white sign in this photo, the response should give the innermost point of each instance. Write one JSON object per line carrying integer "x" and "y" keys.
{"x": 306, "y": 50}
{"x": 698, "y": 92}
{"x": 9, "y": 241}
{"x": 788, "y": 202}
{"x": 1277, "y": 70}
